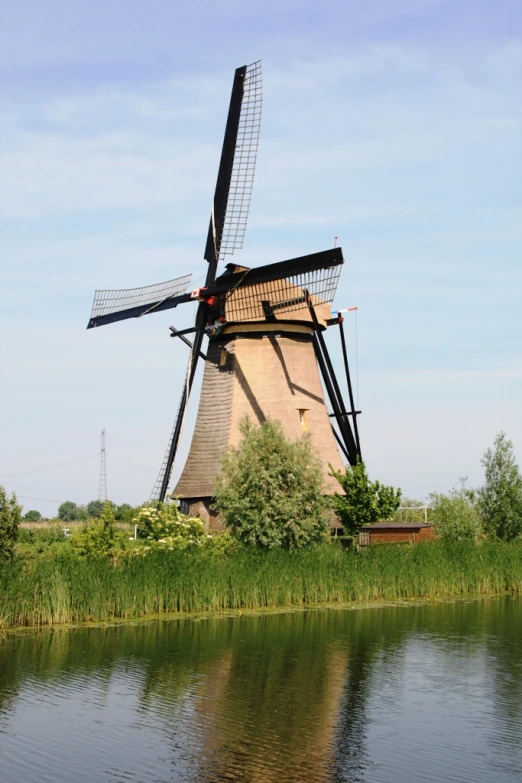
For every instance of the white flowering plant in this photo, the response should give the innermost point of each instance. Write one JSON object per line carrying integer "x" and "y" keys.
{"x": 165, "y": 527}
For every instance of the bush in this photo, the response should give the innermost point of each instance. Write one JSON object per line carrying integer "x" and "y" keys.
{"x": 500, "y": 499}
{"x": 454, "y": 517}
{"x": 124, "y": 513}
{"x": 364, "y": 501}
{"x": 10, "y": 516}
{"x": 269, "y": 489}
{"x": 41, "y": 535}
{"x": 97, "y": 538}
{"x": 165, "y": 527}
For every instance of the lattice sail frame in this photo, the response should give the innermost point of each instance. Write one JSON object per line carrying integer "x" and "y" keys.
{"x": 244, "y": 166}
{"x": 281, "y": 297}
{"x": 118, "y": 300}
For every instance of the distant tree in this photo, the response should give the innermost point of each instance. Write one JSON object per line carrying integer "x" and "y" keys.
{"x": 68, "y": 511}
{"x": 124, "y": 513}
{"x": 364, "y": 501}
{"x": 455, "y": 517}
{"x": 499, "y": 501}
{"x": 411, "y": 510}
{"x": 10, "y": 516}
{"x": 269, "y": 492}
{"x": 95, "y": 508}
{"x": 32, "y": 516}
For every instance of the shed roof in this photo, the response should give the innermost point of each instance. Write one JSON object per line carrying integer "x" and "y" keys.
{"x": 396, "y": 526}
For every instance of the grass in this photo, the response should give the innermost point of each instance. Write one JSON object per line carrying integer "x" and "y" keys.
{"x": 58, "y": 587}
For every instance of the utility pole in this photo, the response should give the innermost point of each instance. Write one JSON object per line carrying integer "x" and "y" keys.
{"x": 463, "y": 480}
{"x": 103, "y": 472}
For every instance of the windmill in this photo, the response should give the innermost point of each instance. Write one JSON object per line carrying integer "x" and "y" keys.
{"x": 266, "y": 352}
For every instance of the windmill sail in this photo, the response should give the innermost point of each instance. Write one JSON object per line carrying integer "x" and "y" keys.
{"x": 244, "y": 166}
{"x": 162, "y": 481}
{"x": 229, "y": 212}
{"x": 118, "y": 304}
{"x": 231, "y": 203}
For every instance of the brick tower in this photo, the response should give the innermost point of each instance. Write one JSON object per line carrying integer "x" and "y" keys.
{"x": 262, "y": 368}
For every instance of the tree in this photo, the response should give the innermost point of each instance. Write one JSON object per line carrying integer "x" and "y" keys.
{"x": 411, "y": 510}
{"x": 455, "y": 517}
{"x": 500, "y": 499}
{"x": 364, "y": 501}
{"x": 33, "y": 516}
{"x": 95, "y": 508}
{"x": 81, "y": 513}
{"x": 269, "y": 489}
{"x": 68, "y": 511}
{"x": 124, "y": 513}
{"x": 10, "y": 516}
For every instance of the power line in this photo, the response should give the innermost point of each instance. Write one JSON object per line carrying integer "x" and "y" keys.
{"x": 463, "y": 480}
{"x": 49, "y": 467}
{"x": 41, "y": 500}
{"x": 65, "y": 492}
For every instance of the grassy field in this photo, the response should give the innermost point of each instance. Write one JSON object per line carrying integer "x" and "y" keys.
{"x": 55, "y": 586}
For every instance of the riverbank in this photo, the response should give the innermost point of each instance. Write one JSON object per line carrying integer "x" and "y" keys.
{"x": 58, "y": 587}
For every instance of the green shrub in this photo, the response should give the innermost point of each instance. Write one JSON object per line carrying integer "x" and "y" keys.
{"x": 44, "y": 536}
{"x": 10, "y": 516}
{"x": 223, "y": 544}
{"x": 165, "y": 527}
{"x": 455, "y": 518}
{"x": 269, "y": 489}
{"x": 364, "y": 501}
{"x": 97, "y": 538}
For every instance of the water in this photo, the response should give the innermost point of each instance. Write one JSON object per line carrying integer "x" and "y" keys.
{"x": 397, "y": 694}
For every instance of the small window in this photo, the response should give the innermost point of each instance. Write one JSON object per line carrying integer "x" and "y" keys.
{"x": 302, "y": 418}
{"x": 223, "y": 359}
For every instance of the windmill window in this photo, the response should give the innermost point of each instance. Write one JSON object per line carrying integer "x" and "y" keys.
{"x": 223, "y": 358}
{"x": 303, "y": 418}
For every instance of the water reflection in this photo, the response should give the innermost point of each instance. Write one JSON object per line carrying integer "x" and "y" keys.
{"x": 392, "y": 694}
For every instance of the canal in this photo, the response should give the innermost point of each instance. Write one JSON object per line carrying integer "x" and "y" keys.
{"x": 379, "y": 695}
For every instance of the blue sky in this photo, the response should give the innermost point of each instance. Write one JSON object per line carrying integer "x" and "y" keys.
{"x": 395, "y": 126}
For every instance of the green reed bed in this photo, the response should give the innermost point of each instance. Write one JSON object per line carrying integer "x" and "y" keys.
{"x": 58, "y": 587}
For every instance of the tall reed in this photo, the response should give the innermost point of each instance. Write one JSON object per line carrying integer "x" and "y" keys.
{"x": 60, "y": 588}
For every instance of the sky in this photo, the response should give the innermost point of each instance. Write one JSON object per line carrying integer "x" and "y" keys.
{"x": 395, "y": 126}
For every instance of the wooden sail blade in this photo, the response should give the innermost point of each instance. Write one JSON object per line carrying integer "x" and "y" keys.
{"x": 119, "y": 304}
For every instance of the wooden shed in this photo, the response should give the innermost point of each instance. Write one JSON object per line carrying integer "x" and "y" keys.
{"x": 395, "y": 533}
